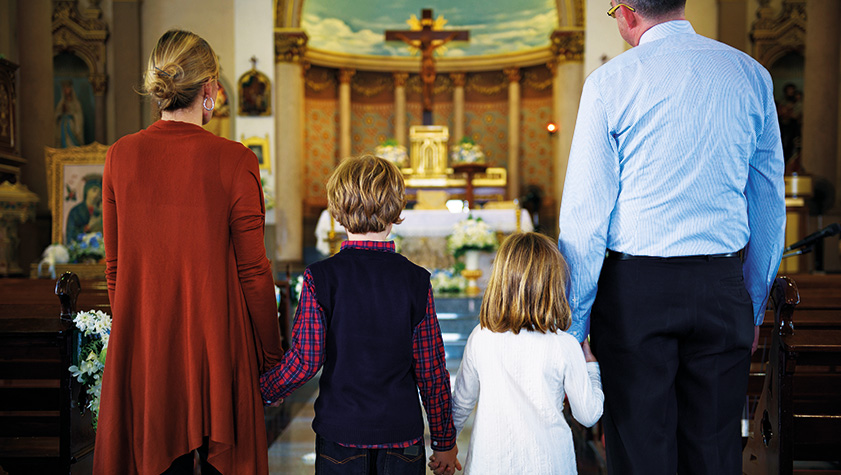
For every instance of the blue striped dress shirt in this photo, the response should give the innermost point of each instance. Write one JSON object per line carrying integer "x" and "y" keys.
{"x": 676, "y": 152}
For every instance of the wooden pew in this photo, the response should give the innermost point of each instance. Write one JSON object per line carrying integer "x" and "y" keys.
{"x": 798, "y": 416}
{"x": 42, "y": 429}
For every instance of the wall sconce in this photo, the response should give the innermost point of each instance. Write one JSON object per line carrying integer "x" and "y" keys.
{"x": 551, "y": 127}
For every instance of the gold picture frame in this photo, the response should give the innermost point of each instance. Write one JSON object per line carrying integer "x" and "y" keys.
{"x": 255, "y": 93}
{"x": 68, "y": 172}
{"x": 260, "y": 147}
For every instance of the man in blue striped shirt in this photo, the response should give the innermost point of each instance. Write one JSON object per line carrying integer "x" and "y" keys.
{"x": 672, "y": 221}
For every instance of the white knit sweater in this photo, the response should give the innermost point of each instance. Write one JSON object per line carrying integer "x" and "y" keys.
{"x": 519, "y": 383}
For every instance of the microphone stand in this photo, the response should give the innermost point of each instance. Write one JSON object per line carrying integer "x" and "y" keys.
{"x": 798, "y": 252}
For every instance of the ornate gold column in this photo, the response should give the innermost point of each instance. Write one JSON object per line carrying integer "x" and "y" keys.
{"x": 400, "y": 107}
{"x": 514, "y": 77}
{"x": 345, "y": 77}
{"x": 290, "y": 45}
{"x": 458, "y": 80}
{"x": 568, "y": 72}
{"x": 821, "y": 83}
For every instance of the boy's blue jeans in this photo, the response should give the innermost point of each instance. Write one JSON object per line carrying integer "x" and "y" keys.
{"x": 332, "y": 458}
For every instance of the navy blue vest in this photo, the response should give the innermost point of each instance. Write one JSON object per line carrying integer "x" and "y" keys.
{"x": 373, "y": 301}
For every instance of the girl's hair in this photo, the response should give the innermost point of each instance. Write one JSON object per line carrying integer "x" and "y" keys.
{"x": 365, "y": 194}
{"x": 181, "y": 63}
{"x": 527, "y": 289}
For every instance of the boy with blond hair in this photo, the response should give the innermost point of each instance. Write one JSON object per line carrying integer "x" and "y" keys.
{"x": 366, "y": 317}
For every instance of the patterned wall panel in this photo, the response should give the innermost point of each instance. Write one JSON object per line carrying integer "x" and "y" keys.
{"x": 371, "y": 124}
{"x": 320, "y": 145}
{"x": 487, "y": 124}
{"x": 536, "y": 145}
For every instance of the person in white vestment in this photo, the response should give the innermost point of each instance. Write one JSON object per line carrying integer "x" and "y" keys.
{"x": 519, "y": 364}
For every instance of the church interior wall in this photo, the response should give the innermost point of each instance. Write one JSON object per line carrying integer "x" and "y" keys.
{"x": 238, "y": 30}
{"x": 322, "y": 117}
{"x": 253, "y": 37}
{"x": 537, "y": 167}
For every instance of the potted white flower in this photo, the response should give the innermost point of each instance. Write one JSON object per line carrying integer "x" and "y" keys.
{"x": 466, "y": 151}
{"x": 393, "y": 152}
{"x": 469, "y": 238}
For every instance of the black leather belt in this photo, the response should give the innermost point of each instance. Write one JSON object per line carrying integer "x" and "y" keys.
{"x": 621, "y": 256}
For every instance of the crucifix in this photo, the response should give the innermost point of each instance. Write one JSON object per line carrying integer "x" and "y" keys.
{"x": 427, "y": 39}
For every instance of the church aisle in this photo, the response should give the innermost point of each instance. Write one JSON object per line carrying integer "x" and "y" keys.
{"x": 293, "y": 452}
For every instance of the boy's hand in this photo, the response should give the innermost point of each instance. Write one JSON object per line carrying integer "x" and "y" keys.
{"x": 444, "y": 463}
{"x": 588, "y": 355}
{"x": 274, "y": 404}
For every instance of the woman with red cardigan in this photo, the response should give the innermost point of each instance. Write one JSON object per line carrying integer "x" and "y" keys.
{"x": 191, "y": 289}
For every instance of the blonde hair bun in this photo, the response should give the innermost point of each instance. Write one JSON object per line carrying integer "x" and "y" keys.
{"x": 179, "y": 65}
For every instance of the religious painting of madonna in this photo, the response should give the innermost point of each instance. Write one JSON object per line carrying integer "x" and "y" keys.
{"x": 74, "y": 179}
{"x": 255, "y": 94}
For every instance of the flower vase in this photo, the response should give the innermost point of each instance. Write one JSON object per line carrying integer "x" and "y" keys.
{"x": 472, "y": 272}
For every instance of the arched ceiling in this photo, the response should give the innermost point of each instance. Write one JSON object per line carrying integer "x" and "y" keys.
{"x": 358, "y": 27}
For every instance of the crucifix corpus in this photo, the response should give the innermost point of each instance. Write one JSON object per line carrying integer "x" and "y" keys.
{"x": 427, "y": 39}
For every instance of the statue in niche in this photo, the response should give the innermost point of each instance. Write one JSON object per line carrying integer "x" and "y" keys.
{"x": 69, "y": 118}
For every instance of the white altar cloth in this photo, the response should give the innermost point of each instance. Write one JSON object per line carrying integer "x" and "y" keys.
{"x": 432, "y": 223}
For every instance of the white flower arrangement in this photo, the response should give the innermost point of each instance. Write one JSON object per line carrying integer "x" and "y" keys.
{"x": 448, "y": 281}
{"x": 466, "y": 152}
{"x": 471, "y": 234}
{"x": 393, "y": 152}
{"x": 96, "y": 332}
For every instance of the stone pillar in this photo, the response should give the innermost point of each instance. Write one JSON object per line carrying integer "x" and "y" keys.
{"x": 35, "y": 112}
{"x": 289, "y": 147}
{"x": 821, "y": 83}
{"x": 400, "y": 108}
{"x": 345, "y": 77}
{"x": 568, "y": 73}
{"x": 35, "y": 107}
{"x": 458, "y": 80}
{"x": 128, "y": 67}
{"x": 514, "y": 77}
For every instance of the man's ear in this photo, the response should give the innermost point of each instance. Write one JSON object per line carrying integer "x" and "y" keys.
{"x": 630, "y": 17}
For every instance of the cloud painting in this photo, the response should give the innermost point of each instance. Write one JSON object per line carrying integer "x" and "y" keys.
{"x": 358, "y": 27}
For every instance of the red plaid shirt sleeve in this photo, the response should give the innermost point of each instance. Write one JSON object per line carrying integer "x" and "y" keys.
{"x": 434, "y": 379}
{"x": 306, "y": 354}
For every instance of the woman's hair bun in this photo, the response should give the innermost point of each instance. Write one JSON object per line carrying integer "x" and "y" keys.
{"x": 181, "y": 63}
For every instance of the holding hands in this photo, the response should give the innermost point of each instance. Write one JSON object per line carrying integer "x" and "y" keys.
{"x": 444, "y": 463}
{"x": 588, "y": 355}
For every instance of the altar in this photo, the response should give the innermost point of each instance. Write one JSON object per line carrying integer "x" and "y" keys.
{"x": 422, "y": 236}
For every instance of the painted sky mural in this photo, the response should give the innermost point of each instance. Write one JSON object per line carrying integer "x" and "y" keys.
{"x": 358, "y": 26}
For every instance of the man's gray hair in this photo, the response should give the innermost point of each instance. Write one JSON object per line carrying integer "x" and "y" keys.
{"x": 655, "y": 8}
